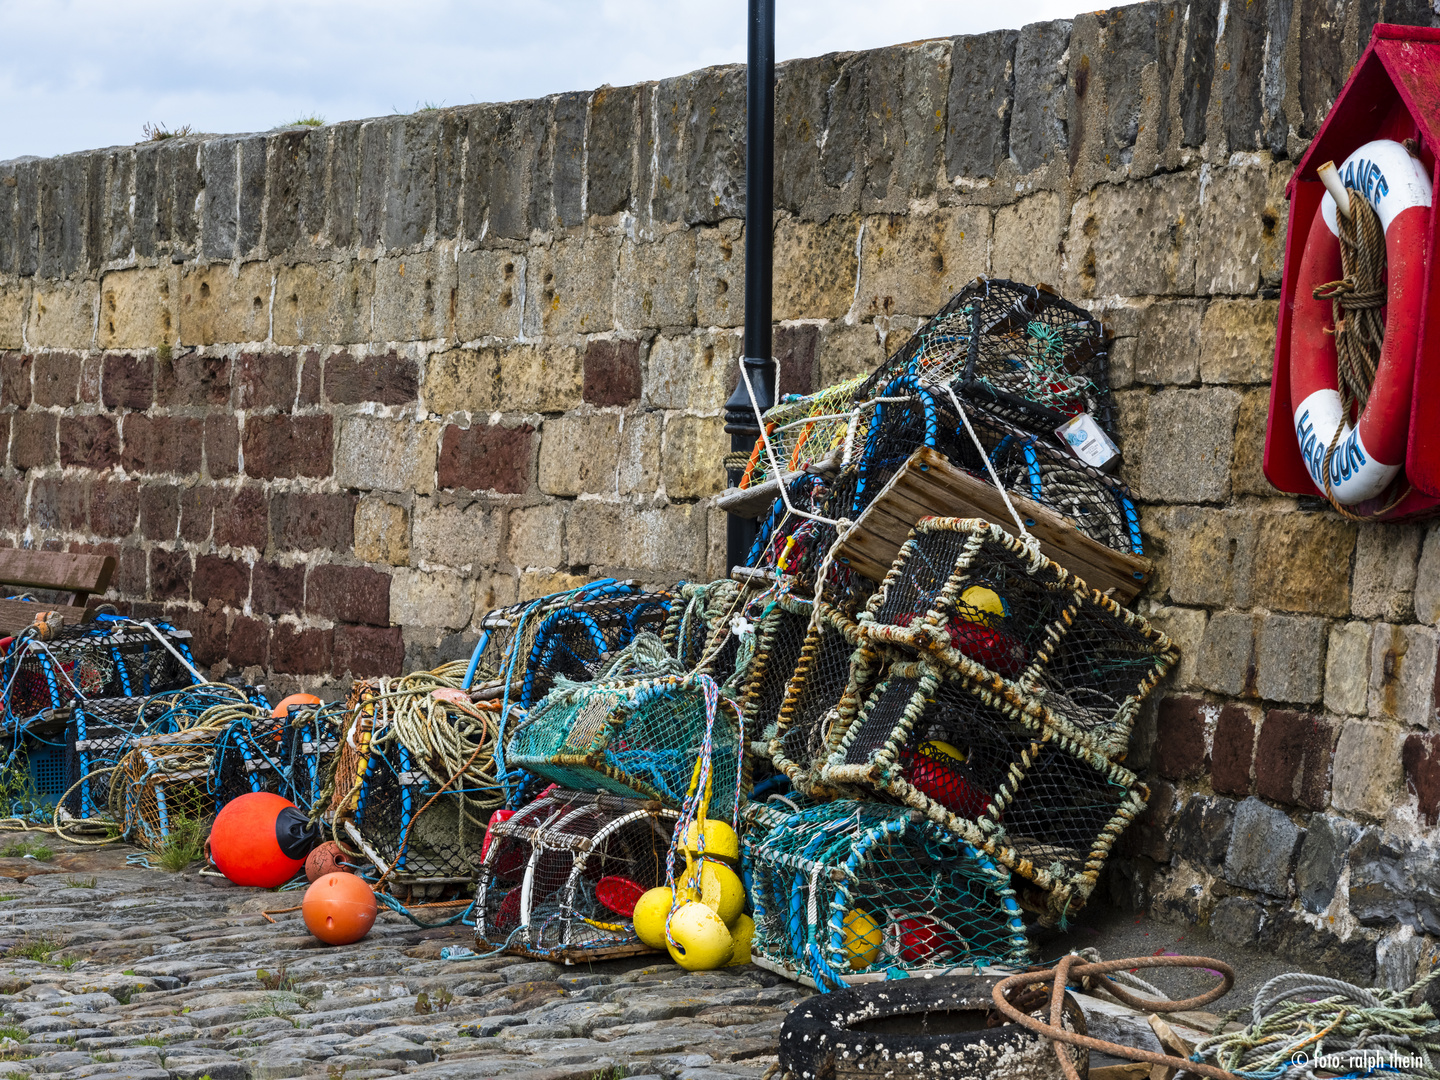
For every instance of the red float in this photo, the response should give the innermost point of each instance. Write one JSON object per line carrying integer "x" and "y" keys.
{"x": 260, "y": 839}
{"x": 325, "y": 859}
{"x": 339, "y": 909}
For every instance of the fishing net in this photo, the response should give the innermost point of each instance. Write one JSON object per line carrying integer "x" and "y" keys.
{"x": 308, "y": 750}
{"x": 779, "y": 631}
{"x": 249, "y": 757}
{"x": 414, "y": 778}
{"x": 560, "y": 878}
{"x": 97, "y": 736}
{"x": 1010, "y": 620}
{"x": 1020, "y": 349}
{"x": 702, "y": 612}
{"x": 575, "y": 641}
{"x": 1043, "y": 805}
{"x": 107, "y": 658}
{"x": 804, "y": 430}
{"x": 816, "y": 684}
{"x": 844, "y": 889}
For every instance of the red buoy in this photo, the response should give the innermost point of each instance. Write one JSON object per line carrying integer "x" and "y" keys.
{"x": 260, "y": 839}
{"x": 325, "y": 859}
{"x": 339, "y": 909}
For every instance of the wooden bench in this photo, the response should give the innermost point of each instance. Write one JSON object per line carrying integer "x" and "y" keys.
{"x": 74, "y": 577}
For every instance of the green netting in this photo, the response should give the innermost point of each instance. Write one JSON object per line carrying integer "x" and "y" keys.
{"x": 639, "y": 737}
{"x": 848, "y": 888}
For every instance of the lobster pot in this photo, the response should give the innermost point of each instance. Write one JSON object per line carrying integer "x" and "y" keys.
{"x": 106, "y": 658}
{"x": 1041, "y": 804}
{"x": 848, "y": 891}
{"x": 1022, "y": 349}
{"x": 560, "y": 878}
{"x": 1003, "y": 616}
{"x": 816, "y": 684}
{"x": 576, "y": 640}
{"x": 700, "y": 613}
{"x": 308, "y": 751}
{"x": 160, "y": 785}
{"x": 97, "y": 736}
{"x": 780, "y": 633}
{"x": 636, "y": 737}
{"x": 249, "y": 758}
{"x": 804, "y": 430}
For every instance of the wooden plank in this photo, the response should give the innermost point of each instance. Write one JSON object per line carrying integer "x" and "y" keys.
{"x": 929, "y": 485}
{"x": 67, "y": 571}
{"x": 16, "y": 615}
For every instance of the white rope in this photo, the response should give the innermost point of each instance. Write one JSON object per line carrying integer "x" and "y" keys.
{"x": 174, "y": 651}
{"x": 1029, "y": 540}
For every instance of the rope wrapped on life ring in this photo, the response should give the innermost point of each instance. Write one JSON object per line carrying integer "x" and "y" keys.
{"x": 1353, "y": 463}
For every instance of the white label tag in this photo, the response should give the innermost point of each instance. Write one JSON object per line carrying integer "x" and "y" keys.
{"x": 1088, "y": 442}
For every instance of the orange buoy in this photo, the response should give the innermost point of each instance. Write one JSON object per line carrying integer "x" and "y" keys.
{"x": 339, "y": 909}
{"x": 325, "y": 859}
{"x": 282, "y": 709}
{"x": 261, "y": 839}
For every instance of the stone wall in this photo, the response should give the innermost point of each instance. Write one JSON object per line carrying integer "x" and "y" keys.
{"x": 329, "y": 393}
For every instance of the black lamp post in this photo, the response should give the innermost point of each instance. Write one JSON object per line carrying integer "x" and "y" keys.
{"x": 759, "y": 260}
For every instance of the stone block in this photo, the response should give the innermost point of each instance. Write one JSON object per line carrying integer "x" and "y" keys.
{"x": 537, "y": 583}
{"x": 1190, "y": 437}
{"x": 1150, "y": 834}
{"x": 1134, "y": 239}
{"x": 1237, "y": 341}
{"x": 1228, "y": 262}
{"x": 1182, "y": 746}
{"x": 1292, "y": 758}
{"x": 494, "y": 591}
{"x": 128, "y": 382}
{"x": 1203, "y": 829}
{"x": 162, "y": 444}
{"x": 594, "y": 534}
{"x": 193, "y": 378}
{"x": 364, "y": 652}
{"x": 638, "y": 472}
{"x": 537, "y": 537}
{"x": 289, "y": 446}
{"x": 159, "y": 511}
{"x": 15, "y": 382}
{"x": 391, "y": 455}
{"x": 1236, "y": 921}
{"x": 1167, "y": 343}
{"x": 1403, "y": 674}
{"x": 114, "y": 508}
{"x": 816, "y": 106}
{"x": 33, "y": 443}
{"x": 240, "y": 517}
{"x": 197, "y": 513}
{"x": 486, "y": 457}
{"x": 13, "y": 301}
{"x": 223, "y": 579}
{"x": 720, "y": 275}
{"x": 1397, "y": 959}
{"x": 1427, "y": 577}
{"x": 265, "y": 380}
{"x": 1232, "y": 753}
{"x": 323, "y": 303}
{"x": 540, "y": 378}
{"x": 276, "y": 589}
{"x": 382, "y": 532}
{"x": 569, "y": 287}
{"x": 1226, "y": 663}
{"x": 982, "y": 89}
{"x": 1290, "y": 658}
{"x": 491, "y": 288}
{"x": 463, "y": 381}
{"x": 690, "y": 458}
{"x": 222, "y": 446}
{"x": 1186, "y": 628}
{"x": 390, "y": 379}
{"x": 665, "y": 539}
{"x": 1419, "y": 757}
{"x": 1262, "y": 849}
{"x": 223, "y": 304}
{"x": 89, "y": 441}
{"x": 691, "y": 372}
{"x": 1347, "y": 669}
{"x": 1367, "y": 776}
{"x": 1288, "y": 933}
{"x": 1247, "y": 475}
{"x": 579, "y": 454}
{"x": 1028, "y": 241}
{"x": 62, "y": 316}
{"x": 655, "y": 282}
{"x": 610, "y": 149}
{"x": 912, "y": 263}
{"x": 352, "y": 594}
{"x": 815, "y": 267}
{"x": 312, "y": 520}
{"x": 1289, "y": 540}
{"x": 1394, "y": 882}
{"x": 461, "y": 536}
{"x": 415, "y": 296}
{"x": 1323, "y": 854}
{"x": 612, "y": 371}
{"x": 1386, "y": 565}
{"x": 171, "y": 577}
{"x": 138, "y": 309}
{"x": 421, "y": 598}
{"x": 847, "y": 351}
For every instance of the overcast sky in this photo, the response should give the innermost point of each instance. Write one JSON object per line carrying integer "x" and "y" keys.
{"x": 80, "y": 74}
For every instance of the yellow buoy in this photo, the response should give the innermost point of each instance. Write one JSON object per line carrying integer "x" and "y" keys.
{"x": 720, "y": 839}
{"x": 985, "y": 605}
{"x": 720, "y": 889}
{"x": 944, "y": 748}
{"x": 862, "y": 939}
{"x": 741, "y": 931}
{"x": 649, "y": 916}
{"x": 702, "y": 941}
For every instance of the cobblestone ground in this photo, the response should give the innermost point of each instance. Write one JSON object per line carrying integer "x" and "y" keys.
{"x": 114, "y": 971}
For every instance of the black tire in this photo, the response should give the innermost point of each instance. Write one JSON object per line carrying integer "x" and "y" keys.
{"x": 917, "y": 1027}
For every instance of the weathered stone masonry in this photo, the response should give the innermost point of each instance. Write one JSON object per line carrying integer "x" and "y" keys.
{"x": 330, "y": 393}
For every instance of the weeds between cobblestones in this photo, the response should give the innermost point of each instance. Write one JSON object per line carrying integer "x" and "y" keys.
{"x": 147, "y": 975}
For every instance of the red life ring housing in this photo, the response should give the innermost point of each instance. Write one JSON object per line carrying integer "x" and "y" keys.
{"x": 1396, "y": 185}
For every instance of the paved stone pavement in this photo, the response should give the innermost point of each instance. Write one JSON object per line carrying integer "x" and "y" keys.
{"x": 111, "y": 972}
